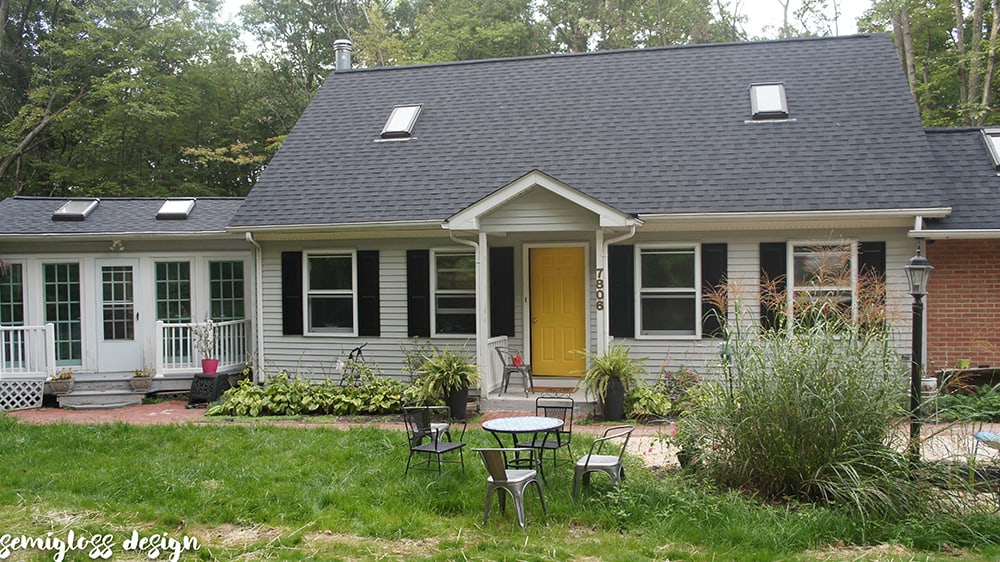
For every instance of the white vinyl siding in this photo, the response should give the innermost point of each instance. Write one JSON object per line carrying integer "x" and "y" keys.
{"x": 539, "y": 210}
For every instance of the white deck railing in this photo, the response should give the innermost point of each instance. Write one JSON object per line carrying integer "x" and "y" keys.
{"x": 27, "y": 351}
{"x": 493, "y": 370}
{"x": 177, "y": 354}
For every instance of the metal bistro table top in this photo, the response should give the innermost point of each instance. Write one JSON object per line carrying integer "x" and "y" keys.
{"x": 522, "y": 424}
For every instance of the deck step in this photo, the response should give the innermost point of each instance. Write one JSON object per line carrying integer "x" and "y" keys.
{"x": 99, "y": 399}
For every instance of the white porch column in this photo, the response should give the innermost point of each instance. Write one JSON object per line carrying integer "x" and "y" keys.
{"x": 483, "y": 308}
{"x": 601, "y": 291}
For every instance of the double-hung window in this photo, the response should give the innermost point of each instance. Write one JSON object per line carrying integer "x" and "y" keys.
{"x": 454, "y": 275}
{"x": 823, "y": 281}
{"x": 669, "y": 301}
{"x": 330, "y": 293}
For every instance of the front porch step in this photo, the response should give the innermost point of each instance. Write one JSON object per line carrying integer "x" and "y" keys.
{"x": 514, "y": 400}
{"x": 99, "y": 399}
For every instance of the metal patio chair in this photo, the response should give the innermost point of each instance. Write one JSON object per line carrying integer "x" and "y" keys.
{"x": 512, "y": 481}
{"x": 595, "y": 461}
{"x": 513, "y": 363}
{"x": 426, "y": 439}
{"x": 554, "y": 407}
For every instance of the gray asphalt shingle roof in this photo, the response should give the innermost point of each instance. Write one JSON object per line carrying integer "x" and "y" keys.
{"x": 971, "y": 184}
{"x": 33, "y": 215}
{"x": 646, "y": 131}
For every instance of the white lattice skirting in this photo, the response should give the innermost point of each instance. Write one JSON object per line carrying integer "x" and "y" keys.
{"x": 21, "y": 394}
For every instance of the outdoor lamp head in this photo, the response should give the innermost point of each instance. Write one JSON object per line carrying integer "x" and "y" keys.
{"x": 918, "y": 272}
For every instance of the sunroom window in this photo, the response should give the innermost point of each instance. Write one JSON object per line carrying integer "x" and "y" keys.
{"x": 454, "y": 293}
{"x": 669, "y": 300}
{"x": 330, "y": 296}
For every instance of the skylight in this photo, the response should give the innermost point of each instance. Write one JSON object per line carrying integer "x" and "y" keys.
{"x": 75, "y": 210}
{"x": 992, "y": 137}
{"x": 401, "y": 122}
{"x": 175, "y": 209}
{"x": 767, "y": 101}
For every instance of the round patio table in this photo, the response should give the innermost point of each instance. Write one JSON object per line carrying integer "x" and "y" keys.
{"x": 522, "y": 425}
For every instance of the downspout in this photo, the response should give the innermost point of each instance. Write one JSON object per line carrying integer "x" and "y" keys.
{"x": 258, "y": 328}
{"x": 482, "y": 314}
{"x": 602, "y": 264}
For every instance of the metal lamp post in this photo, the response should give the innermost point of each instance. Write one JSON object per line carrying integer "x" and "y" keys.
{"x": 918, "y": 272}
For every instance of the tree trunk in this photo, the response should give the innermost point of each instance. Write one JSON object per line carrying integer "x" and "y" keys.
{"x": 963, "y": 79}
{"x": 901, "y": 24}
{"x": 975, "y": 49}
{"x": 991, "y": 60}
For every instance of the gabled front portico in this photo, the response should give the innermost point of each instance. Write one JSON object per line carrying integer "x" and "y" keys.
{"x": 561, "y": 235}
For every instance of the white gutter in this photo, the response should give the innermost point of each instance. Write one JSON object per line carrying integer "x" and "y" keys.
{"x": 99, "y": 236}
{"x": 258, "y": 332}
{"x": 930, "y": 212}
{"x": 296, "y": 228}
{"x": 955, "y": 234}
{"x": 482, "y": 308}
{"x": 602, "y": 265}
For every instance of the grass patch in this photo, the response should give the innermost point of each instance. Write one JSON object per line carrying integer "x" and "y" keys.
{"x": 263, "y": 491}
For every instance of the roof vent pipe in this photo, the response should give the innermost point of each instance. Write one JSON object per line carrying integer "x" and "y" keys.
{"x": 342, "y": 49}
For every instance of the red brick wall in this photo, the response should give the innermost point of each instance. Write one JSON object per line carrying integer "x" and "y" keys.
{"x": 963, "y": 307}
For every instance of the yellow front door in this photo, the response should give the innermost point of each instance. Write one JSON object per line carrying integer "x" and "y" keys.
{"x": 558, "y": 305}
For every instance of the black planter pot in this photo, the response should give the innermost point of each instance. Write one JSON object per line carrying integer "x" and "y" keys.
{"x": 456, "y": 401}
{"x": 614, "y": 401}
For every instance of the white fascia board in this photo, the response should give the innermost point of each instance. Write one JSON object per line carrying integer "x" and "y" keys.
{"x": 957, "y": 234}
{"x": 89, "y": 236}
{"x": 468, "y": 218}
{"x": 778, "y": 220}
{"x": 343, "y": 230}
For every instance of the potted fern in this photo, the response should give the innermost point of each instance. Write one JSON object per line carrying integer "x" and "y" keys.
{"x": 449, "y": 374}
{"x": 610, "y": 376}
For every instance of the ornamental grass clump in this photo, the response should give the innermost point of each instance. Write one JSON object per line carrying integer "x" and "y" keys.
{"x": 807, "y": 412}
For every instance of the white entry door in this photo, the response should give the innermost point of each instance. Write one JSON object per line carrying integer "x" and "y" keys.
{"x": 119, "y": 343}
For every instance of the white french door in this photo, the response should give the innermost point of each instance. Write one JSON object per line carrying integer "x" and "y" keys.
{"x": 119, "y": 342}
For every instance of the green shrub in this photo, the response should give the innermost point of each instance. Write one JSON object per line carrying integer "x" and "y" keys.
{"x": 982, "y": 404}
{"x": 282, "y": 395}
{"x": 668, "y": 396}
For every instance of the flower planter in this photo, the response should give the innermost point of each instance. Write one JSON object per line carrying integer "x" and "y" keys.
{"x": 140, "y": 384}
{"x": 61, "y": 386}
{"x": 457, "y": 401}
{"x": 614, "y": 401}
{"x": 209, "y": 366}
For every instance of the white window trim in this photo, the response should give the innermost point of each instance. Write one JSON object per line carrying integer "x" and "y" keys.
{"x": 790, "y": 288}
{"x": 696, "y": 248}
{"x": 434, "y": 290}
{"x": 307, "y": 293}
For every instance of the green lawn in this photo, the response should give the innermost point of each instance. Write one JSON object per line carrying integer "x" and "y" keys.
{"x": 253, "y": 491}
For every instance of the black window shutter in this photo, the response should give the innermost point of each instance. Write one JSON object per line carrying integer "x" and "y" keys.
{"x": 418, "y": 293}
{"x": 621, "y": 291}
{"x": 773, "y": 270}
{"x": 291, "y": 293}
{"x": 369, "y": 315}
{"x": 871, "y": 259}
{"x": 714, "y": 269}
{"x": 501, "y": 291}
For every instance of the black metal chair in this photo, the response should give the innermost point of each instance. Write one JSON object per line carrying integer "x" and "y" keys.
{"x": 512, "y": 365}
{"x": 427, "y": 438}
{"x": 554, "y": 407}
{"x": 502, "y": 479}
{"x": 594, "y": 461}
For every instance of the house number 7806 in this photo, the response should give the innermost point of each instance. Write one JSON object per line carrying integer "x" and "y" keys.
{"x": 599, "y": 289}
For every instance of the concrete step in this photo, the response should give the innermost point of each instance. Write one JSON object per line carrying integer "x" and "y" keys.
{"x": 515, "y": 401}
{"x": 99, "y": 399}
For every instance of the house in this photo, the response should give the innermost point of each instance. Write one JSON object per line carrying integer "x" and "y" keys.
{"x": 963, "y": 306}
{"x": 104, "y": 287}
{"x": 554, "y": 204}
{"x": 557, "y": 203}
